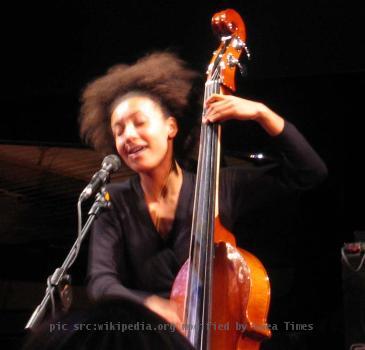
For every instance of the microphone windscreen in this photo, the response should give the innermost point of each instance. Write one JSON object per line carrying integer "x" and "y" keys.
{"x": 112, "y": 162}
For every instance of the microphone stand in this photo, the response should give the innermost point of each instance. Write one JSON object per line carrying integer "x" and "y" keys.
{"x": 59, "y": 276}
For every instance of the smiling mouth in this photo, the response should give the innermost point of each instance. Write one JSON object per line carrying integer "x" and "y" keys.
{"x": 135, "y": 151}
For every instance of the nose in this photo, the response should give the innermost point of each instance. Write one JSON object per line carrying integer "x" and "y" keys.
{"x": 130, "y": 132}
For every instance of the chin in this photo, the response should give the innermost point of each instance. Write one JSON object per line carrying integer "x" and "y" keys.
{"x": 141, "y": 167}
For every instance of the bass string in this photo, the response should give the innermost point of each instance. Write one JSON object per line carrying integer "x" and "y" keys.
{"x": 209, "y": 251}
{"x": 202, "y": 256}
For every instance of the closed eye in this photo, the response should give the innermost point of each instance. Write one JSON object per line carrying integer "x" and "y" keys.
{"x": 139, "y": 121}
{"x": 118, "y": 131}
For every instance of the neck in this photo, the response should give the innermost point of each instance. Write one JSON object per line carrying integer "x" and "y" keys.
{"x": 161, "y": 181}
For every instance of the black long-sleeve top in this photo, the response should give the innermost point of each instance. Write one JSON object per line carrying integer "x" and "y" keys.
{"x": 129, "y": 258}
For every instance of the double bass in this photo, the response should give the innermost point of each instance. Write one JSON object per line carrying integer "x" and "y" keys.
{"x": 222, "y": 292}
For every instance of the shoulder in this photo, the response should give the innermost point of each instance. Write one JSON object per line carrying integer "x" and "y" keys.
{"x": 122, "y": 190}
{"x": 121, "y": 194}
{"x": 188, "y": 175}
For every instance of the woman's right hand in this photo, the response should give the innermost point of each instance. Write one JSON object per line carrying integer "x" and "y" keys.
{"x": 164, "y": 308}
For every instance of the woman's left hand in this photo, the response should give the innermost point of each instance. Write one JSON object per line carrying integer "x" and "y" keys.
{"x": 224, "y": 107}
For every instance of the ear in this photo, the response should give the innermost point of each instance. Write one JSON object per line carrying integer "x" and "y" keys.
{"x": 172, "y": 127}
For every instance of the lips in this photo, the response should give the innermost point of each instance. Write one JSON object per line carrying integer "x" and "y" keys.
{"x": 134, "y": 151}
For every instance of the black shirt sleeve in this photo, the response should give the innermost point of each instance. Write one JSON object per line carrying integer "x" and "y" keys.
{"x": 302, "y": 168}
{"x": 243, "y": 190}
{"x": 107, "y": 270}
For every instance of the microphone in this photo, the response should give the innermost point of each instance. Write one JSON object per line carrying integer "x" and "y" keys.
{"x": 354, "y": 248}
{"x": 358, "y": 246}
{"x": 110, "y": 164}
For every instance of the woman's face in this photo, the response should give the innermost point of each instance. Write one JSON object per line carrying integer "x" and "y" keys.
{"x": 143, "y": 135}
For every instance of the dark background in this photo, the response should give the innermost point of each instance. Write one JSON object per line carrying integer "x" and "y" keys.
{"x": 307, "y": 65}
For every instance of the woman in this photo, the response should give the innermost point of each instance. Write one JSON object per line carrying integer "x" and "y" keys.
{"x": 139, "y": 245}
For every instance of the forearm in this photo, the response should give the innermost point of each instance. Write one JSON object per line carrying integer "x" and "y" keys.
{"x": 301, "y": 163}
{"x": 223, "y": 107}
{"x": 104, "y": 286}
{"x": 271, "y": 122}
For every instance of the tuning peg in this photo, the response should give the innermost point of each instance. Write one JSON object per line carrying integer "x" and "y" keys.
{"x": 226, "y": 38}
{"x": 235, "y": 62}
{"x": 232, "y": 61}
{"x": 242, "y": 68}
{"x": 248, "y": 53}
{"x": 239, "y": 44}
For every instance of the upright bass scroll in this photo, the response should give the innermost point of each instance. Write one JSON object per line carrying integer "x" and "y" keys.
{"x": 220, "y": 286}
